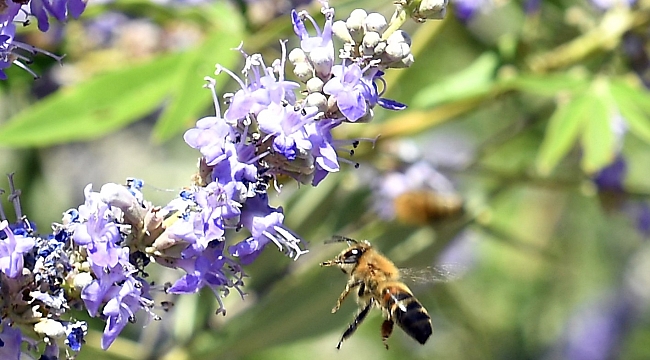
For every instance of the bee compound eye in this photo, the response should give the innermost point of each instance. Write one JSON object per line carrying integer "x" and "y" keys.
{"x": 351, "y": 256}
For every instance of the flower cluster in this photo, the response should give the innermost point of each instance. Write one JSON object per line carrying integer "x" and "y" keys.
{"x": 272, "y": 128}
{"x": 12, "y": 12}
{"x": 37, "y": 287}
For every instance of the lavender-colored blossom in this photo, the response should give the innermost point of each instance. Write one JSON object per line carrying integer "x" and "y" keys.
{"x": 348, "y": 89}
{"x": 59, "y": 9}
{"x": 99, "y": 233}
{"x": 12, "y": 249}
{"x": 211, "y": 269}
{"x": 125, "y": 301}
{"x": 7, "y": 33}
{"x": 95, "y": 293}
{"x": 265, "y": 225}
{"x": 322, "y": 39}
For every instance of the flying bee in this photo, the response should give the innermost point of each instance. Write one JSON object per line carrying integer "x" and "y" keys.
{"x": 419, "y": 207}
{"x": 377, "y": 283}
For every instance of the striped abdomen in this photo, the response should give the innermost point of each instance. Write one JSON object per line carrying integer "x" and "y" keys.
{"x": 407, "y": 312}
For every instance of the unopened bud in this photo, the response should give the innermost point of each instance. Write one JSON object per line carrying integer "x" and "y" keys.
{"x": 297, "y": 56}
{"x": 375, "y": 22}
{"x": 370, "y": 41}
{"x": 430, "y": 10}
{"x": 340, "y": 30}
{"x": 318, "y": 100}
{"x": 314, "y": 85}
{"x": 303, "y": 70}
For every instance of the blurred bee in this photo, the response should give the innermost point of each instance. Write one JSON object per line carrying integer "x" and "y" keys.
{"x": 419, "y": 207}
{"x": 376, "y": 281}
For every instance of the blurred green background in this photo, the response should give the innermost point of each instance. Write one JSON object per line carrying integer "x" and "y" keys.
{"x": 519, "y": 106}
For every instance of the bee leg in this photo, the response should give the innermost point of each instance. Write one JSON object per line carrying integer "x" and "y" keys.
{"x": 351, "y": 284}
{"x": 353, "y": 326}
{"x": 386, "y": 331}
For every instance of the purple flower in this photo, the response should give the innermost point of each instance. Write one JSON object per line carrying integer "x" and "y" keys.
{"x": 95, "y": 293}
{"x": 265, "y": 225}
{"x": 12, "y": 250}
{"x": 99, "y": 232}
{"x": 125, "y": 301}
{"x": 59, "y": 9}
{"x": 287, "y": 125}
{"x": 323, "y": 149}
{"x": 7, "y": 33}
{"x": 209, "y": 137}
{"x": 12, "y": 51}
{"x": 210, "y": 269}
{"x": 261, "y": 89}
{"x": 349, "y": 90}
{"x": 323, "y": 38}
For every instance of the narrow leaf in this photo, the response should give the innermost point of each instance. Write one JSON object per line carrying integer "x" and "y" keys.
{"x": 634, "y": 105}
{"x": 91, "y": 109}
{"x": 598, "y": 138}
{"x": 562, "y": 132}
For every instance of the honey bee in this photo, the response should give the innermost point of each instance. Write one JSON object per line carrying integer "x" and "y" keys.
{"x": 377, "y": 283}
{"x": 419, "y": 207}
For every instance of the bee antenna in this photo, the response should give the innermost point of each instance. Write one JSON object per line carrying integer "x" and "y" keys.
{"x": 339, "y": 238}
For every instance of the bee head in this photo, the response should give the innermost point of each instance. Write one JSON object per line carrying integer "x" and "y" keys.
{"x": 348, "y": 259}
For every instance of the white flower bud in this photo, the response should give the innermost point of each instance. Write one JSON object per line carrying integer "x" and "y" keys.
{"x": 322, "y": 58}
{"x": 355, "y": 24}
{"x": 318, "y": 100}
{"x": 297, "y": 56}
{"x": 314, "y": 85}
{"x": 399, "y": 36}
{"x": 430, "y": 9}
{"x": 370, "y": 41}
{"x": 397, "y": 51}
{"x": 50, "y": 328}
{"x": 375, "y": 22}
{"x": 358, "y": 15}
{"x": 303, "y": 70}
{"x": 340, "y": 30}
{"x": 81, "y": 280}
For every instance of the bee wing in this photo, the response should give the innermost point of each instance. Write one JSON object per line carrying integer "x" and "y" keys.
{"x": 433, "y": 274}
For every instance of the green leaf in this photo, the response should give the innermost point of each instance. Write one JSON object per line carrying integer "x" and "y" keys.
{"x": 92, "y": 109}
{"x": 548, "y": 84}
{"x": 189, "y": 98}
{"x": 634, "y": 105}
{"x": 477, "y": 79}
{"x": 562, "y": 132}
{"x": 598, "y": 138}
